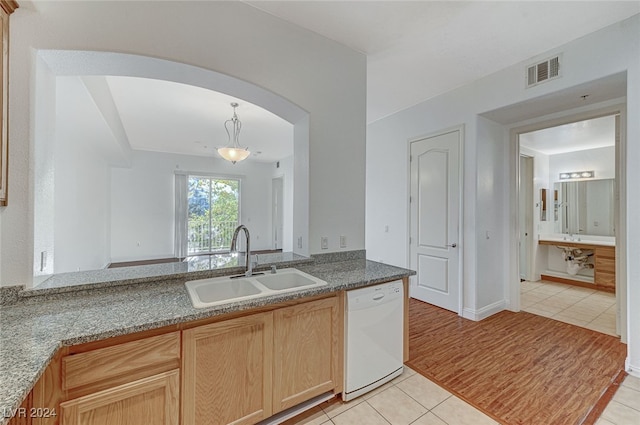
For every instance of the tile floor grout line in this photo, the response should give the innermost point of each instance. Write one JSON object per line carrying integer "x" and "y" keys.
{"x": 376, "y": 410}
{"x": 412, "y": 398}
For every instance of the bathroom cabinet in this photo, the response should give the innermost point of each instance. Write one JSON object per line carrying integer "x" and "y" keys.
{"x": 6, "y": 8}
{"x": 604, "y": 270}
{"x": 605, "y": 267}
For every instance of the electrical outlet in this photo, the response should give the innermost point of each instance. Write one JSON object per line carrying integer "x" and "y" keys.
{"x": 300, "y": 242}
{"x": 324, "y": 242}
{"x": 343, "y": 241}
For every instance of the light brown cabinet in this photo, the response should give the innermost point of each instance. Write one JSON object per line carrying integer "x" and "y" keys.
{"x": 244, "y": 370}
{"x": 605, "y": 266}
{"x": 6, "y": 8}
{"x": 153, "y": 400}
{"x": 227, "y": 371}
{"x": 132, "y": 381}
{"x": 125, "y": 384}
{"x": 307, "y": 352}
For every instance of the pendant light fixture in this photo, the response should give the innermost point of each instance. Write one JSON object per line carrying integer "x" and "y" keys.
{"x": 233, "y": 152}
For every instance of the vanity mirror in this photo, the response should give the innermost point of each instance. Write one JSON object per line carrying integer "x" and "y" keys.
{"x": 585, "y": 207}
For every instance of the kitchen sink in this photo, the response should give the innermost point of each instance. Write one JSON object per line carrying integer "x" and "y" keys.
{"x": 289, "y": 279}
{"x": 226, "y": 290}
{"x": 220, "y": 290}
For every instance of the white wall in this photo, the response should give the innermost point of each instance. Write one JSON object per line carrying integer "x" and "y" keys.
{"x": 600, "y": 160}
{"x": 81, "y": 211}
{"x": 286, "y": 172}
{"x": 44, "y": 171}
{"x": 490, "y": 232}
{"x": 604, "y": 53}
{"x": 322, "y": 77}
{"x": 71, "y": 205}
{"x": 143, "y": 202}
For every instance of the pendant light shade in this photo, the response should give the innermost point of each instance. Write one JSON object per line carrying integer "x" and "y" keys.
{"x": 233, "y": 152}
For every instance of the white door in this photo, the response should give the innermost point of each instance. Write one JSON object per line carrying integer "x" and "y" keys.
{"x": 276, "y": 212}
{"x": 435, "y": 218}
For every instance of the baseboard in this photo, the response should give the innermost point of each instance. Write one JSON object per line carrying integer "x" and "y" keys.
{"x": 579, "y": 283}
{"x": 632, "y": 370}
{"x": 484, "y": 312}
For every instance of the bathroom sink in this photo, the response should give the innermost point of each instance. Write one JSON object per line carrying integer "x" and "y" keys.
{"x": 221, "y": 290}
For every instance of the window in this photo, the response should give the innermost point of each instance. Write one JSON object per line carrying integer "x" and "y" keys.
{"x": 213, "y": 213}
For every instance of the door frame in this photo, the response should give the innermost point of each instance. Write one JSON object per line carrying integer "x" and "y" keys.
{"x": 566, "y": 117}
{"x": 461, "y": 245}
{"x": 529, "y": 209}
{"x": 280, "y": 219}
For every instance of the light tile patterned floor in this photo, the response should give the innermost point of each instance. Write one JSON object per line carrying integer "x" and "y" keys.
{"x": 624, "y": 408}
{"x": 585, "y": 307}
{"x": 409, "y": 399}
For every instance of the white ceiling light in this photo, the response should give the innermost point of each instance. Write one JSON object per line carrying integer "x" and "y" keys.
{"x": 233, "y": 152}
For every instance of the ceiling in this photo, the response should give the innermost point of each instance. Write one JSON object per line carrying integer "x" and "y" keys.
{"x": 417, "y": 50}
{"x": 578, "y": 136}
{"x": 165, "y": 116}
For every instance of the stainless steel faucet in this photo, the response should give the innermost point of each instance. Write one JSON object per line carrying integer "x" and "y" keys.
{"x": 248, "y": 269}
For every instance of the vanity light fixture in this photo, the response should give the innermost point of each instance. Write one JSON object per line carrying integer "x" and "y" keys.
{"x": 233, "y": 152}
{"x": 573, "y": 175}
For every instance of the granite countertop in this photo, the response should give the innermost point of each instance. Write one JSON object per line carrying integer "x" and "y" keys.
{"x": 34, "y": 328}
{"x": 195, "y": 267}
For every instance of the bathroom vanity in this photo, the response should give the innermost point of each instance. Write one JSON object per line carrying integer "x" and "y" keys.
{"x": 604, "y": 262}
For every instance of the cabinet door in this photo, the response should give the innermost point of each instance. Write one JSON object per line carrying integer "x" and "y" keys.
{"x": 227, "y": 371}
{"x": 307, "y": 352}
{"x": 150, "y": 401}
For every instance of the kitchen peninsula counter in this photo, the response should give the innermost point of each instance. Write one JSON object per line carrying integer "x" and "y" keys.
{"x": 33, "y": 328}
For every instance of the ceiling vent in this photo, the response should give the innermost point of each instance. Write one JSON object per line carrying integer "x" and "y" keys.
{"x": 546, "y": 70}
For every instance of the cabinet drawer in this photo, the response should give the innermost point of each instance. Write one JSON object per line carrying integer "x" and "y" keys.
{"x": 154, "y": 400}
{"x": 604, "y": 264}
{"x": 121, "y": 363}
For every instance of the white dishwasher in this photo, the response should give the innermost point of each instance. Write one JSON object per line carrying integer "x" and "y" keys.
{"x": 373, "y": 336}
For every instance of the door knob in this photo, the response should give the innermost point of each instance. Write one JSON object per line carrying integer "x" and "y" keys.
{"x": 453, "y": 245}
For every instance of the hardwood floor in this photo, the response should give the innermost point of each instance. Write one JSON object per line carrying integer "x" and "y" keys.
{"x": 518, "y": 368}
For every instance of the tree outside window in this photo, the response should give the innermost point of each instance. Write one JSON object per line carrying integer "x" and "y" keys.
{"x": 214, "y": 213}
